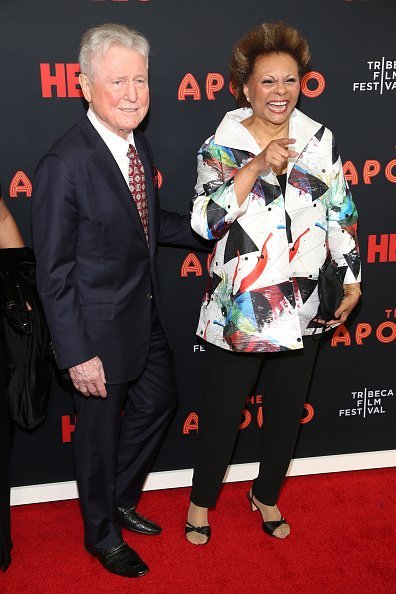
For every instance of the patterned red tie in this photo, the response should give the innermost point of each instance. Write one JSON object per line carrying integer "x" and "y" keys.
{"x": 137, "y": 185}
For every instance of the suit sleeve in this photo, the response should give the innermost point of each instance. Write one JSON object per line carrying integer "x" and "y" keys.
{"x": 215, "y": 205}
{"x": 55, "y": 219}
{"x": 175, "y": 229}
{"x": 342, "y": 229}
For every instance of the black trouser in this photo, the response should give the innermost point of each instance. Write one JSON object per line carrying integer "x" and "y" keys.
{"x": 229, "y": 380}
{"x": 113, "y": 452}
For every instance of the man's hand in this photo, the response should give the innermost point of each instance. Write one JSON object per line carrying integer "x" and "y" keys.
{"x": 89, "y": 378}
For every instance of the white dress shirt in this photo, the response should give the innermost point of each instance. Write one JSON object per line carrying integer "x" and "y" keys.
{"x": 116, "y": 145}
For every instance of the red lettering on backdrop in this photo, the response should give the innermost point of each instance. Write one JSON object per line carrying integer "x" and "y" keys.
{"x": 371, "y": 168}
{"x": 230, "y": 88}
{"x": 385, "y": 248}
{"x": 363, "y": 330}
{"x": 247, "y": 417}
{"x": 386, "y": 338}
{"x": 320, "y": 84}
{"x": 191, "y": 265}
{"x": 189, "y": 88}
{"x": 341, "y": 336}
{"x": 73, "y": 86}
{"x": 380, "y": 248}
{"x": 310, "y": 414}
{"x": 388, "y": 171}
{"x": 350, "y": 172}
{"x": 157, "y": 178}
{"x": 68, "y": 427}
{"x": 214, "y": 83}
{"x": 385, "y": 333}
{"x": 191, "y": 423}
{"x": 20, "y": 183}
{"x": 57, "y": 80}
{"x": 392, "y": 248}
{"x": 63, "y": 79}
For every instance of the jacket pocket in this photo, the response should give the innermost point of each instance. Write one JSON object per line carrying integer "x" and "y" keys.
{"x": 98, "y": 311}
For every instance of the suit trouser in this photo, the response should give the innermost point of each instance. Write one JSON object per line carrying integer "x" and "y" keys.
{"x": 113, "y": 452}
{"x": 230, "y": 377}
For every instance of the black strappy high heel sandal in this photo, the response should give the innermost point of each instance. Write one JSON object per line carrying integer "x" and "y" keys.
{"x": 268, "y": 527}
{"x": 205, "y": 530}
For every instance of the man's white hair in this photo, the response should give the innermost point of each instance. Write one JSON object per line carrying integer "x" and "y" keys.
{"x": 96, "y": 41}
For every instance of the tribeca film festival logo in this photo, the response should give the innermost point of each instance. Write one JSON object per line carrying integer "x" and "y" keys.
{"x": 367, "y": 402}
{"x": 382, "y": 77}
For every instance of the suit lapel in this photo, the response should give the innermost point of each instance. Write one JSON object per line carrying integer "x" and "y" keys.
{"x": 104, "y": 162}
{"x": 150, "y": 193}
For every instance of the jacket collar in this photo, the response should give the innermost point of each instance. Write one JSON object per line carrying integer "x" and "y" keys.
{"x": 302, "y": 128}
{"x": 233, "y": 134}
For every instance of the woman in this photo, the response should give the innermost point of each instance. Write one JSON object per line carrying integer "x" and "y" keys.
{"x": 272, "y": 193}
{"x": 9, "y": 238}
{"x": 26, "y": 368}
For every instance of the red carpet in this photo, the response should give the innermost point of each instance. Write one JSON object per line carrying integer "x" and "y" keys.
{"x": 343, "y": 541}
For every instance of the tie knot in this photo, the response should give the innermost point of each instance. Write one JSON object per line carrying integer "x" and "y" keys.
{"x": 131, "y": 151}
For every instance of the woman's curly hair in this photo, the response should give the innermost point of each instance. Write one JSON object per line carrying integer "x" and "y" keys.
{"x": 265, "y": 39}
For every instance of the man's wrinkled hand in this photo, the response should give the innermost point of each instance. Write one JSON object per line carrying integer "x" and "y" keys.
{"x": 89, "y": 378}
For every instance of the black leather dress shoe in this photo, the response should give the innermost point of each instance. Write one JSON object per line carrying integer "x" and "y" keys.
{"x": 131, "y": 520}
{"x": 121, "y": 560}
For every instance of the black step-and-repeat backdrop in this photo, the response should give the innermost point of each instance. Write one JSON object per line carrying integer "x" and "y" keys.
{"x": 351, "y": 89}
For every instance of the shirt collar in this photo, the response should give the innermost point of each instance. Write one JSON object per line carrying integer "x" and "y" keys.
{"x": 116, "y": 144}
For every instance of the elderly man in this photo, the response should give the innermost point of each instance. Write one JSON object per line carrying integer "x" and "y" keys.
{"x": 96, "y": 227}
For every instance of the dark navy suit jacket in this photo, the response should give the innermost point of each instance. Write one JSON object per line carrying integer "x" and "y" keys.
{"x": 95, "y": 272}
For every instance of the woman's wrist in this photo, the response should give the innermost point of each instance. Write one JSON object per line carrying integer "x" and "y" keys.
{"x": 256, "y": 166}
{"x": 352, "y": 289}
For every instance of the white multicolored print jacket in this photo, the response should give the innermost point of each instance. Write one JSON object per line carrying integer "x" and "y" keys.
{"x": 262, "y": 295}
